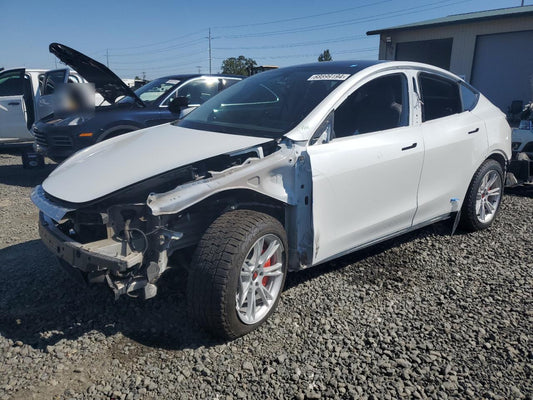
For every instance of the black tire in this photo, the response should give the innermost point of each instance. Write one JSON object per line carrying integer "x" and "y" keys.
{"x": 216, "y": 267}
{"x": 469, "y": 217}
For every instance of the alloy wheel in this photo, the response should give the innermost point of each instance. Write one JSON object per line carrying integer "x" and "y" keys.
{"x": 260, "y": 279}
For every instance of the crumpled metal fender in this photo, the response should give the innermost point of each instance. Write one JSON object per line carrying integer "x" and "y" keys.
{"x": 272, "y": 176}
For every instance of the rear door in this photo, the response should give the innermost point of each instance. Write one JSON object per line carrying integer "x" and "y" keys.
{"x": 51, "y": 82}
{"x": 455, "y": 140}
{"x": 12, "y": 106}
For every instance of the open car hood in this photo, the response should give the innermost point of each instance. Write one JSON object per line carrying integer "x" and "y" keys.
{"x": 109, "y": 85}
{"x": 127, "y": 159}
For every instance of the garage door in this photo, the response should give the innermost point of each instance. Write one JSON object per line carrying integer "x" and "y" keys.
{"x": 503, "y": 67}
{"x": 435, "y": 52}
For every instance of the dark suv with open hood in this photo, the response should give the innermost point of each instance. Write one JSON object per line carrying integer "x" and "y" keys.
{"x": 61, "y": 134}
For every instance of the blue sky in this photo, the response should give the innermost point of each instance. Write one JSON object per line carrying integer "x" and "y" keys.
{"x": 165, "y": 37}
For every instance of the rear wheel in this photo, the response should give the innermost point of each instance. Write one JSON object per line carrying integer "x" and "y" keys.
{"x": 484, "y": 196}
{"x": 237, "y": 273}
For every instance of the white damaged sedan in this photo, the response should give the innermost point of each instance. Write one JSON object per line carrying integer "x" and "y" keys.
{"x": 283, "y": 171}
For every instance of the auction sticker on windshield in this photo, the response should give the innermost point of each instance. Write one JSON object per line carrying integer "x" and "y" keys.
{"x": 329, "y": 77}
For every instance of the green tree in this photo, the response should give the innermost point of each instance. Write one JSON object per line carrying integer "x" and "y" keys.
{"x": 325, "y": 56}
{"x": 238, "y": 66}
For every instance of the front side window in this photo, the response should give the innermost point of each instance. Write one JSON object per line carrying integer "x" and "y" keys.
{"x": 154, "y": 90}
{"x": 197, "y": 91}
{"x": 440, "y": 97}
{"x": 12, "y": 83}
{"x": 378, "y": 105}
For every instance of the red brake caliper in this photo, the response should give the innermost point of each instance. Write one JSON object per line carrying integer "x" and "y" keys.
{"x": 267, "y": 264}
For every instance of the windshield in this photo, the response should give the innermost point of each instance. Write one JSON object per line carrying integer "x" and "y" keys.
{"x": 268, "y": 104}
{"x": 153, "y": 90}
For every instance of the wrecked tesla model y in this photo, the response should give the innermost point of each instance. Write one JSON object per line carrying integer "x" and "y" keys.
{"x": 282, "y": 171}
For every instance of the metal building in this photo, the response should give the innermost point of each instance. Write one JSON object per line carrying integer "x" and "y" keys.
{"x": 493, "y": 50}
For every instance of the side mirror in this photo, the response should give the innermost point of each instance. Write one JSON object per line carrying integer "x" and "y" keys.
{"x": 177, "y": 103}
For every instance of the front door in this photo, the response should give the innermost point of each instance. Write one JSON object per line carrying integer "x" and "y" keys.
{"x": 12, "y": 106}
{"x": 365, "y": 179}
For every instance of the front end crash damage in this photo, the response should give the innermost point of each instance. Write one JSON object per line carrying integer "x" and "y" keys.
{"x": 127, "y": 238}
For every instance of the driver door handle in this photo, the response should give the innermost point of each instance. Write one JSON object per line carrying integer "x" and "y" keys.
{"x": 13, "y": 103}
{"x": 409, "y": 147}
{"x": 474, "y": 131}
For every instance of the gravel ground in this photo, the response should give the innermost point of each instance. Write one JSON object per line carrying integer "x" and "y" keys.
{"x": 423, "y": 316}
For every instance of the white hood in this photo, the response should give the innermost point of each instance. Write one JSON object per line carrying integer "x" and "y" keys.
{"x": 127, "y": 159}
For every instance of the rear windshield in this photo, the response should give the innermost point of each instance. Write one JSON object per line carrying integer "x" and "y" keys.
{"x": 268, "y": 104}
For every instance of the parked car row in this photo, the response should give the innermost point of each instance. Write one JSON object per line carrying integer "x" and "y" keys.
{"x": 280, "y": 172}
{"x": 27, "y": 112}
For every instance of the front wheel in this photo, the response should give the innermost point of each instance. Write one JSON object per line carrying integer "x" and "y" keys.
{"x": 484, "y": 197}
{"x": 237, "y": 273}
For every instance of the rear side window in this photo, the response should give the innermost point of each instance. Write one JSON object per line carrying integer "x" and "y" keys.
{"x": 378, "y": 105}
{"x": 440, "y": 97}
{"x": 469, "y": 97}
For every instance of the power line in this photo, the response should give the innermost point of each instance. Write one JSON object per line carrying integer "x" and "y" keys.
{"x": 365, "y": 50}
{"x": 405, "y": 11}
{"x": 305, "y": 17}
{"x": 291, "y": 30}
{"x": 163, "y": 50}
{"x": 157, "y": 60}
{"x": 162, "y": 66}
{"x": 308, "y": 43}
{"x": 191, "y": 44}
{"x": 158, "y": 43}
{"x": 209, "y": 38}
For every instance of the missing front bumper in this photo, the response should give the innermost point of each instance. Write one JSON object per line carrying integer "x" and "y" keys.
{"x": 92, "y": 257}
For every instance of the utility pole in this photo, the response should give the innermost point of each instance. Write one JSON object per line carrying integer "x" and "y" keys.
{"x": 522, "y": 3}
{"x": 107, "y": 57}
{"x": 199, "y": 69}
{"x": 209, "y": 37}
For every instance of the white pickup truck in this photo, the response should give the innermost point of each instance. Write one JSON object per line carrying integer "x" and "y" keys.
{"x": 24, "y": 99}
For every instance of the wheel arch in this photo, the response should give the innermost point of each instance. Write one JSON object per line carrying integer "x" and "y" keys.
{"x": 298, "y": 228}
{"x": 497, "y": 156}
{"x": 244, "y": 199}
{"x": 500, "y": 158}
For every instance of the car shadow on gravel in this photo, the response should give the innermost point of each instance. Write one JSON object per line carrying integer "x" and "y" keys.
{"x": 16, "y": 175}
{"x": 374, "y": 273}
{"x": 40, "y": 305}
